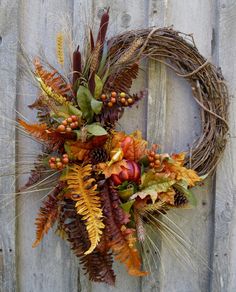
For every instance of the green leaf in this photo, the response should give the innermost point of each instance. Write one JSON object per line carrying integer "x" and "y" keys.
{"x": 104, "y": 58}
{"x": 84, "y": 98}
{"x": 127, "y": 206}
{"x": 96, "y": 105}
{"x": 153, "y": 189}
{"x": 74, "y": 111}
{"x": 127, "y": 193}
{"x": 98, "y": 87}
{"x": 96, "y": 130}
{"x": 189, "y": 195}
{"x": 78, "y": 134}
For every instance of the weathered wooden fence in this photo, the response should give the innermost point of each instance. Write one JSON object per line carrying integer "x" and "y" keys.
{"x": 169, "y": 117}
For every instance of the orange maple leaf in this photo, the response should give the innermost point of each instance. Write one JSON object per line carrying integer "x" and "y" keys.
{"x": 114, "y": 168}
{"x": 133, "y": 146}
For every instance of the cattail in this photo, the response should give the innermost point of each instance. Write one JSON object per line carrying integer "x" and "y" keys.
{"x": 60, "y": 48}
{"x": 130, "y": 51}
{"x": 77, "y": 67}
{"x": 103, "y": 27}
{"x": 95, "y": 57}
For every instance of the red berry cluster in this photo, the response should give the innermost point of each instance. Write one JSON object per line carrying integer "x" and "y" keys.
{"x": 69, "y": 124}
{"x": 154, "y": 158}
{"x": 115, "y": 98}
{"x": 58, "y": 163}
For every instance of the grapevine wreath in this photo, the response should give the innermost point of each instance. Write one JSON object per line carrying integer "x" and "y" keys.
{"x": 110, "y": 185}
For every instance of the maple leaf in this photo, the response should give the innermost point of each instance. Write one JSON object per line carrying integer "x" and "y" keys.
{"x": 134, "y": 147}
{"x": 84, "y": 191}
{"x": 175, "y": 166}
{"x": 114, "y": 168}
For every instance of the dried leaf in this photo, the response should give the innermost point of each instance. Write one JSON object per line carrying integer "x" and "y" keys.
{"x": 83, "y": 190}
{"x": 114, "y": 168}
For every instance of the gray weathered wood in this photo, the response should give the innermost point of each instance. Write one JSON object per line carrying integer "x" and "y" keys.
{"x": 175, "y": 125}
{"x": 8, "y": 72}
{"x": 224, "y": 252}
{"x": 51, "y": 266}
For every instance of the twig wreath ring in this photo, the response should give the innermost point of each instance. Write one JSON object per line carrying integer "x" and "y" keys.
{"x": 111, "y": 186}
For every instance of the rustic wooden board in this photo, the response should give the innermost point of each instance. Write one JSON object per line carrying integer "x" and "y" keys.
{"x": 8, "y": 72}
{"x": 224, "y": 252}
{"x": 51, "y": 266}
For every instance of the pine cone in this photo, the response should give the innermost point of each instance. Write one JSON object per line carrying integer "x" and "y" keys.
{"x": 98, "y": 155}
{"x": 180, "y": 199}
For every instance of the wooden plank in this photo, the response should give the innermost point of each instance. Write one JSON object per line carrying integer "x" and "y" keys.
{"x": 224, "y": 256}
{"x": 174, "y": 127}
{"x": 121, "y": 19}
{"x": 51, "y": 266}
{"x": 8, "y": 71}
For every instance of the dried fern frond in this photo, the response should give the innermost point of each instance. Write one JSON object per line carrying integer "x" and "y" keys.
{"x": 52, "y": 84}
{"x": 97, "y": 264}
{"x": 48, "y": 214}
{"x": 84, "y": 191}
{"x": 122, "y": 242}
{"x": 60, "y": 48}
{"x": 123, "y": 79}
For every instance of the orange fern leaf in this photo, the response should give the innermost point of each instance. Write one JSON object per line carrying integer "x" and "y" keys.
{"x": 52, "y": 83}
{"x": 39, "y": 131}
{"x": 47, "y": 215}
{"x": 83, "y": 190}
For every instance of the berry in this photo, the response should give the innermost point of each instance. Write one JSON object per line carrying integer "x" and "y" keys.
{"x": 130, "y": 100}
{"x": 72, "y": 125}
{"x": 76, "y": 124}
{"x": 65, "y": 160}
{"x": 122, "y": 94}
{"x": 157, "y": 156}
{"x": 64, "y": 123}
{"x": 52, "y": 165}
{"x": 123, "y": 100}
{"x": 150, "y": 158}
{"x": 59, "y": 165}
{"x": 69, "y": 120}
{"x": 58, "y": 159}
{"x": 74, "y": 118}
{"x": 152, "y": 153}
{"x": 113, "y": 99}
{"x": 110, "y": 104}
{"x": 52, "y": 159}
{"x": 68, "y": 129}
{"x": 103, "y": 97}
{"x": 65, "y": 155}
{"x": 152, "y": 164}
{"x": 113, "y": 94}
{"x": 61, "y": 128}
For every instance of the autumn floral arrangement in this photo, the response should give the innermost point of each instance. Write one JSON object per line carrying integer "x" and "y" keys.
{"x": 110, "y": 185}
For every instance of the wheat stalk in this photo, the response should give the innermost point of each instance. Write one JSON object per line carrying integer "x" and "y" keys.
{"x": 130, "y": 51}
{"x": 60, "y": 48}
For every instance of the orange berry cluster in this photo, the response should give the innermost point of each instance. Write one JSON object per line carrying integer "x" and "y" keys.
{"x": 58, "y": 163}
{"x": 154, "y": 159}
{"x": 115, "y": 98}
{"x": 69, "y": 124}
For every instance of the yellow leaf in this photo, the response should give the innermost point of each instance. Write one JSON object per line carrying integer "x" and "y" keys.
{"x": 83, "y": 190}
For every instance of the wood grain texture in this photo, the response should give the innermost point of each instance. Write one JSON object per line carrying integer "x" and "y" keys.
{"x": 8, "y": 72}
{"x": 51, "y": 266}
{"x": 224, "y": 256}
{"x": 173, "y": 122}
